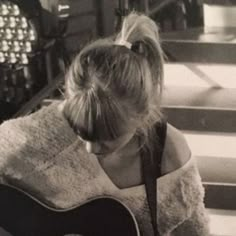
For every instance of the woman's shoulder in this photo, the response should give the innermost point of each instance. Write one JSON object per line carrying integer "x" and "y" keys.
{"x": 48, "y": 117}
{"x": 176, "y": 152}
{"x": 44, "y": 130}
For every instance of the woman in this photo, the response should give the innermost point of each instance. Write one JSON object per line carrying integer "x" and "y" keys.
{"x": 93, "y": 143}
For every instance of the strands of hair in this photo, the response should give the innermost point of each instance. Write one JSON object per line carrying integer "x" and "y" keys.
{"x": 111, "y": 88}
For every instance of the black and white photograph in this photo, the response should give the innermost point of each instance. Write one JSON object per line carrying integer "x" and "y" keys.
{"x": 117, "y": 118}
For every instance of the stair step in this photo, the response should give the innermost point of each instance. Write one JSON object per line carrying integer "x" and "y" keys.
{"x": 200, "y": 96}
{"x": 222, "y": 222}
{"x": 220, "y": 195}
{"x": 200, "y": 75}
{"x": 222, "y": 145}
{"x": 201, "y": 118}
{"x": 219, "y": 2}
{"x": 217, "y": 169}
{"x": 198, "y": 85}
{"x": 215, "y": 154}
{"x": 205, "y": 44}
{"x": 219, "y": 13}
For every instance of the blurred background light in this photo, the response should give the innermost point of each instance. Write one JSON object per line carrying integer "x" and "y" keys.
{"x": 32, "y": 52}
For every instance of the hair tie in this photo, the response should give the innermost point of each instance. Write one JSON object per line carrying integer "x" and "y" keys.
{"x": 125, "y": 43}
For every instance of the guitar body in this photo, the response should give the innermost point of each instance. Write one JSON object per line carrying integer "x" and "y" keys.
{"x": 23, "y": 215}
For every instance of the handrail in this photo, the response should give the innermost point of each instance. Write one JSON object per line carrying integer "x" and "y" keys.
{"x": 159, "y": 6}
{"x": 40, "y": 96}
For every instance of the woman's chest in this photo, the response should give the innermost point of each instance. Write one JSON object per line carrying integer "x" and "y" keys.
{"x": 123, "y": 172}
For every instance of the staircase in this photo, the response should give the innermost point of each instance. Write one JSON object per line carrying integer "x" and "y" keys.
{"x": 205, "y": 110}
{"x": 200, "y": 99}
{"x": 203, "y": 44}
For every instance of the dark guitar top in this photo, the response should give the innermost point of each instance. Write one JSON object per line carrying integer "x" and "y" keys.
{"x": 23, "y": 215}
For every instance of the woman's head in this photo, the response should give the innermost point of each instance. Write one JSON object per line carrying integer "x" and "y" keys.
{"x": 114, "y": 85}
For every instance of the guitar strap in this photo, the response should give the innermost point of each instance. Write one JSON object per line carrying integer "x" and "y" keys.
{"x": 151, "y": 170}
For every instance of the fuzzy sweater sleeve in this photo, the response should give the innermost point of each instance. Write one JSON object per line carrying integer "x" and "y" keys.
{"x": 197, "y": 222}
{"x": 30, "y": 143}
{"x": 181, "y": 203}
{"x": 196, "y": 225}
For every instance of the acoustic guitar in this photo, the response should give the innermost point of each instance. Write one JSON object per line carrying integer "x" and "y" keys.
{"x": 23, "y": 215}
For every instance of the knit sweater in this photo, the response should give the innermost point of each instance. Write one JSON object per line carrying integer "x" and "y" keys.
{"x": 42, "y": 155}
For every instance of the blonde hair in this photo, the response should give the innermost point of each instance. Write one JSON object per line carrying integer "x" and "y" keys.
{"x": 114, "y": 85}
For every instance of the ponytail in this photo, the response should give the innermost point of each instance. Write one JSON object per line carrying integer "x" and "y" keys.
{"x": 142, "y": 34}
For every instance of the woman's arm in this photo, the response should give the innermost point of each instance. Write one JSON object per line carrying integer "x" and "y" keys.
{"x": 176, "y": 154}
{"x": 196, "y": 225}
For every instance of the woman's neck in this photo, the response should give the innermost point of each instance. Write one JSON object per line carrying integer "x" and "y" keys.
{"x": 124, "y": 158}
